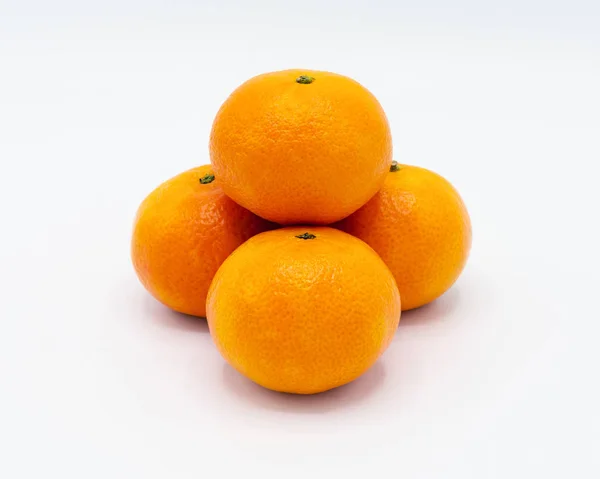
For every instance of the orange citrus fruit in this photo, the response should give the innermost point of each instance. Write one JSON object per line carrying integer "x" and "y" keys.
{"x": 301, "y": 146}
{"x": 183, "y": 231}
{"x": 303, "y": 309}
{"x": 421, "y": 229}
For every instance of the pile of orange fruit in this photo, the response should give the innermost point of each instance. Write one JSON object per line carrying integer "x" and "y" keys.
{"x": 302, "y": 241}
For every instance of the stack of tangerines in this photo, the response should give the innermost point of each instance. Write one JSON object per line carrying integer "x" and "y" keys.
{"x": 294, "y": 305}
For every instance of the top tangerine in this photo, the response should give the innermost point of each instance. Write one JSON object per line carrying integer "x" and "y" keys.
{"x": 301, "y": 146}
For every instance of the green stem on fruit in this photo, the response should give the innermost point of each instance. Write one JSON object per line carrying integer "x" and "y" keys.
{"x": 395, "y": 166}
{"x": 208, "y": 178}
{"x": 305, "y": 79}
{"x": 306, "y": 236}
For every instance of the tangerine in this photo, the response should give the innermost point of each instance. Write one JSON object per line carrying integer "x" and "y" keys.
{"x": 301, "y": 146}
{"x": 182, "y": 233}
{"x": 303, "y": 310}
{"x": 420, "y": 227}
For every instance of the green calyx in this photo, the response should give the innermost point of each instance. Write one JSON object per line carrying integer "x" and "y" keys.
{"x": 305, "y": 79}
{"x": 306, "y": 236}
{"x": 395, "y": 166}
{"x": 208, "y": 178}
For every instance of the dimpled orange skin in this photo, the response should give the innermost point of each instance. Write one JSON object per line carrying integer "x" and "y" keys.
{"x": 300, "y": 153}
{"x": 182, "y": 233}
{"x": 420, "y": 227}
{"x": 303, "y": 315}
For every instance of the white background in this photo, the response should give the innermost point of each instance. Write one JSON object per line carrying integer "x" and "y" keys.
{"x": 102, "y": 101}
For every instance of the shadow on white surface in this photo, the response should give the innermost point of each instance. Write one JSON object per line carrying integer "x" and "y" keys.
{"x": 162, "y": 316}
{"x": 435, "y": 312}
{"x": 346, "y": 396}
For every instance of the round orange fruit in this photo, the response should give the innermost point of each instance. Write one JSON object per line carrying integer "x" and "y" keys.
{"x": 301, "y": 146}
{"x": 183, "y": 231}
{"x": 421, "y": 229}
{"x": 303, "y": 309}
